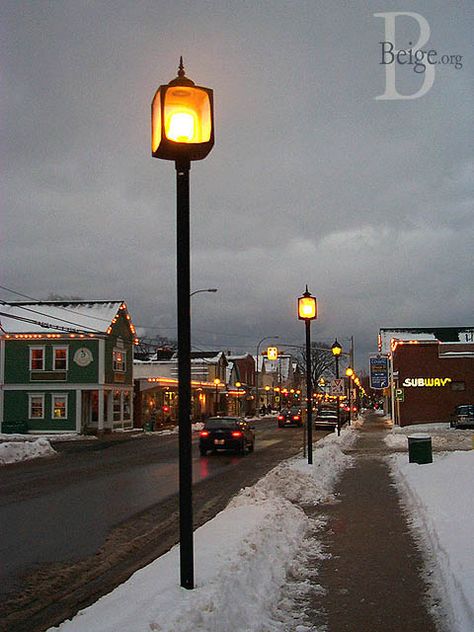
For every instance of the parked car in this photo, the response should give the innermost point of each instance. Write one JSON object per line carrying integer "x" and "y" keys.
{"x": 290, "y": 417}
{"x": 326, "y": 418}
{"x": 463, "y": 416}
{"x": 226, "y": 433}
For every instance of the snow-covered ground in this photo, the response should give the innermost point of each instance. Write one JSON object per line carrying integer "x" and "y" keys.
{"x": 251, "y": 561}
{"x": 242, "y": 560}
{"x": 440, "y": 502}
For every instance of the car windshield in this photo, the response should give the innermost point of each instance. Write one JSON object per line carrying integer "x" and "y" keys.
{"x": 222, "y": 422}
{"x": 465, "y": 410}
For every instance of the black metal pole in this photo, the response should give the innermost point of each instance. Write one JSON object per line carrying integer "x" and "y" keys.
{"x": 309, "y": 393}
{"x": 338, "y": 401}
{"x": 350, "y": 398}
{"x": 184, "y": 376}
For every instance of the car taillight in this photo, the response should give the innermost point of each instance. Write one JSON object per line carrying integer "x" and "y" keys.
{"x": 296, "y": 417}
{"x": 281, "y": 417}
{"x": 204, "y": 433}
{"x": 236, "y": 434}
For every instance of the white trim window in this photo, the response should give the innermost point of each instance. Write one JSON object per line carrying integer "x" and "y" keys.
{"x": 37, "y": 358}
{"x": 127, "y": 406}
{"x": 59, "y": 406}
{"x": 117, "y": 406}
{"x": 119, "y": 360}
{"x": 36, "y": 405}
{"x": 60, "y": 358}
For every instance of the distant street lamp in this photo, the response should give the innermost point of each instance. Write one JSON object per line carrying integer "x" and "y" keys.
{"x": 350, "y": 374}
{"x": 256, "y": 370}
{"x": 307, "y": 311}
{"x": 336, "y": 351}
{"x": 182, "y": 130}
{"x": 216, "y": 382}
{"x": 267, "y": 388}
{"x": 237, "y": 402}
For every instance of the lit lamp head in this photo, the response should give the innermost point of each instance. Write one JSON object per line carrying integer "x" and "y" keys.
{"x": 238, "y": 384}
{"x": 307, "y": 306}
{"x": 182, "y": 120}
{"x": 272, "y": 353}
{"x": 217, "y": 381}
{"x": 336, "y": 349}
{"x": 349, "y": 372}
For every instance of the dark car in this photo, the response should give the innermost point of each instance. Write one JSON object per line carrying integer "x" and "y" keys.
{"x": 326, "y": 418}
{"x": 290, "y": 417}
{"x": 463, "y": 416}
{"x": 226, "y": 433}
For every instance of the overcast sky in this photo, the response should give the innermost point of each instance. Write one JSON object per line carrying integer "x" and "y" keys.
{"x": 312, "y": 179}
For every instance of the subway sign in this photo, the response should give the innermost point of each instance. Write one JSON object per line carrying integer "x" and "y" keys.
{"x": 426, "y": 381}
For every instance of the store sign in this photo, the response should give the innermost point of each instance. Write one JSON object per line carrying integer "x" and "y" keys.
{"x": 426, "y": 381}
{"x": 378, "y": 365}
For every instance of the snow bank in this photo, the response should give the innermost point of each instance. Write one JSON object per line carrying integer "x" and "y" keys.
{"x": 440, "y": 502}
{"x": 242, "y": 558}
{"x": 15, "y": 451}
{"x": 442, "y": 437}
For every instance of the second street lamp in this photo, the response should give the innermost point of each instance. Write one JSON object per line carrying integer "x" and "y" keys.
{"x": 216, "y": 401}
{"x": 182, "y": 130}
{"x": 350, "y": 374}
{"x": 336, "y": 351}
{"x": 307, "y": 311}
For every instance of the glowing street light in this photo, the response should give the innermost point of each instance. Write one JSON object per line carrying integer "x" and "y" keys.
{"x": 182, "y": 130}
{"x": 336, "y": 352}
{"x": 307, "y": 311}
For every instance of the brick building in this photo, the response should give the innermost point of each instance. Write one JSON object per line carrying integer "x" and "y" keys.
{"x": 431, "y": 379}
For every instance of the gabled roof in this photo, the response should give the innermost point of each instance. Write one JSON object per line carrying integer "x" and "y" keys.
{"x": 94, "y": 317}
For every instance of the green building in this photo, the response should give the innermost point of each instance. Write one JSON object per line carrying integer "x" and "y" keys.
{"x": 66, "y": 366}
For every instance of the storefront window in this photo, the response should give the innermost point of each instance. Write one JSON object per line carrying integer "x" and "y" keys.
{"x": 126, "y": 406}
{"x": 59, "y": 406}
{"x": 117, "y": 405}
{"x": 36, "y": 406}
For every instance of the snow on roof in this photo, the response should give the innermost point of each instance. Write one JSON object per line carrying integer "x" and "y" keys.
{"x": 56, "y": 316}
{"x": 441, "y": 334}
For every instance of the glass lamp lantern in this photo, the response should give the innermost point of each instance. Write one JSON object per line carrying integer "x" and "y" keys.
{"x": 336, "y": 349}
{"x": 307, "y": 307}
{"x": 182, "y": 120}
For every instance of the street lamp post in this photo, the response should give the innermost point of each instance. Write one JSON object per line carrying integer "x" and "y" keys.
{"x": 336, "y": 351}
{"x": 216, "y": 382}
{"x": 256, "y": 369}
{"x": 182, "y": 130}
{"x": 307, "y": 311}
{"x": 350, "y": 374}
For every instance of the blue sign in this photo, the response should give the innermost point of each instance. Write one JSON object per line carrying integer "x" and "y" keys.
{"x": 378, "y": 371}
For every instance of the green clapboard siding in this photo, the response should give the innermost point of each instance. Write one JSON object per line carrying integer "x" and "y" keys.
{"x": 15, "y": 410}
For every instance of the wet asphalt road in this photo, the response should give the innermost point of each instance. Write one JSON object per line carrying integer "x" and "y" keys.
{"x": 110, "y": 505}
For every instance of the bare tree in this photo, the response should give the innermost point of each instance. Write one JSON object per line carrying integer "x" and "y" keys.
{"x": 322, "y": 361}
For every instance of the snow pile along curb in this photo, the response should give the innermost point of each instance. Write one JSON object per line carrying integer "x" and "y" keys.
{"x": 242, "y": 558}
{"x": 15, "y": 451}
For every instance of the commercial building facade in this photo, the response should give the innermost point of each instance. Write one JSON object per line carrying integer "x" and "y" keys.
{"x": 57, "y": 377}
{"x": 431, "y": 372}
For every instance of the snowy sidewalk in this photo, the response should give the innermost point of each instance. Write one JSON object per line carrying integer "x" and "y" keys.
{"x": 373, "y": 573}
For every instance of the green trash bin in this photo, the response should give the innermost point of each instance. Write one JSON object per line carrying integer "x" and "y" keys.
{"x": 420, "y": 449}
